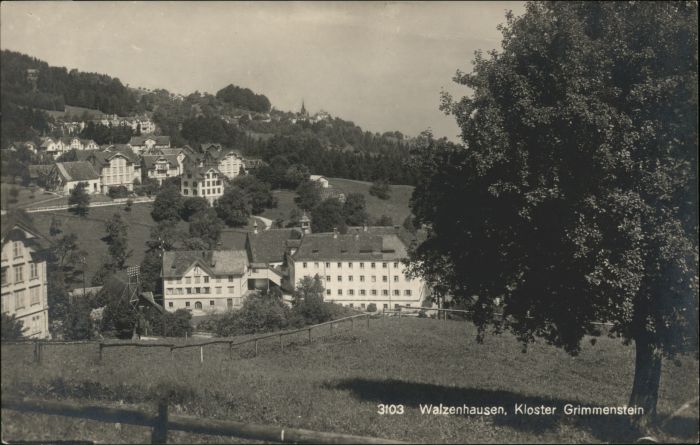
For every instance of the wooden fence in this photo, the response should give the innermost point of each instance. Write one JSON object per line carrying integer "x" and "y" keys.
{"x": 161, "y": 423}
{"x": 101, "y": 346}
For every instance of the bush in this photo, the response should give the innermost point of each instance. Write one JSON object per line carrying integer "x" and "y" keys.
{"x": 168, "y": 324}
{"x": 260, "y": 313}
{"x": 12, "y": 328}
{"x": 371, "y": 307}
{"x": 78, "y": 323}
{"x": 380, "y": 189}
{"x": 118, "y": 191}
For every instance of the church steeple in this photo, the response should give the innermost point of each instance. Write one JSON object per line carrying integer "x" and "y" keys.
{"x": 303, "y": 111}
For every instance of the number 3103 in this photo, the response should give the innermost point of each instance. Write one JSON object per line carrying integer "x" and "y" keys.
{"x": 383, "y": 409}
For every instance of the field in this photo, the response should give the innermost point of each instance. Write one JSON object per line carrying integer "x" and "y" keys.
{"x": 396, "y": 206}
{"x": 70, "y": 110}
{"x": 335, "y": 383}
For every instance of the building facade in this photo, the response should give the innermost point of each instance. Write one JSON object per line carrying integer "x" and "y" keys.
{"x": 65, "y": 176}
{"x": 24, "y": 284}
{"x": 140, "y": 144}
{"x": 160, "y": 167}
{"x": 206, "y": 182}
{"x": 114, "y": 167}
{"x": 358, "y": 269}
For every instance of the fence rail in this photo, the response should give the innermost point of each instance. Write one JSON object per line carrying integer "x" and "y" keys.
{"x": 39, "y": 345}
{"x": 161, "y": 423}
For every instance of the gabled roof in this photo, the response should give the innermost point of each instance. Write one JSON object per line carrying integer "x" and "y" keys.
{"x": 214, "y": 262}
{"x": 141, "y": 140}
{"x": 358, "y": 246}
{"x": 149, "y": 161}
{"x": 171, "y": 151}
{"x": 100, "y": 159}
{"x": 37, "y": 170}
{"x": 269, "y": 246}
{"x": 200, "y": 172}
{"x": 77, "y": 171}
{"x": 233, "y": 239}
{"x": 19, "y": 219}
{"x": 45, "y": 142}
{"x": 317, "y": 177}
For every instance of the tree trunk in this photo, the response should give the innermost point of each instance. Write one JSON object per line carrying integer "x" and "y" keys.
{"x": 647, "y": 376}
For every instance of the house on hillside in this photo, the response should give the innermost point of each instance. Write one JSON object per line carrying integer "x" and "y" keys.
{"x": 358, "y": 268}
{"x": 79, "y": 144}
{"x": 206, "y": 181}
{"x": 29, "y": 145}
{"x": 115, "y": 167}
{"x": 204, "y": 281}
{"x": 52, "y": 146}
{"x": 146, "y": 143}
{"x": 160, "y": 167}
{"x": 322, "y": 180}
{"x": 252, "y": 164}
{"x": 331, "y": 192}
{"x": 24, "y": 283}
{"x": 67, "y": 175}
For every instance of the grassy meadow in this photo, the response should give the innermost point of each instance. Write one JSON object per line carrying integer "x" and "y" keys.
{"x": 336, "y": 382}
{"x": 396, "y": 206}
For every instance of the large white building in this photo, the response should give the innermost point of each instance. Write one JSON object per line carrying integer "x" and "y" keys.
{"x": 24, "y": 285}
{"x": 361, "y": 267}
{"x": 116, "y": 167}
{"x": 206, "y": 182}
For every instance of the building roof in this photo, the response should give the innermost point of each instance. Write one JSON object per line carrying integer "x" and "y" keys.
{"x": 200, "y": 172}
{"x": 45, "y": 142}
{"x": 214, "y": 262}
{"x": 37, "y": 170}
{"x": 19, "y": 219}
{"x": 357, "y": 246}
{"x": 171, "y": 151}
{"x": 77, "y": 171}
{"x": 149, "y": 161}
{"x": 317, "y": 177}
{"x": 141, "y": 140}
{"x": 233, "y": 239}
{"x": 100, "y": 158}
{"x": 269, "y": 246}
{"x": 404, "y": 235}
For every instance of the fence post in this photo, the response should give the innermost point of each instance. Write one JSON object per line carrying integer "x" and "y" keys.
{"x": 281, "y": 342}
{"x": 159, "y": 434}
{"x": 172, "y": 353}
{"x": 309, "y": 335}
{"x": 36, "y": 352}
{"x": 201, "y": 354}
{"x": 256, "y": 347}
{"x": 99, "y": 358}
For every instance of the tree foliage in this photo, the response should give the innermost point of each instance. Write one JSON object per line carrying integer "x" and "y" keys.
{"x": 258, "y": 193}
{"x": 80, "y": 199}
{"x": 580, "y": 171}
{"x": 12, "y": 328}
{"x": 233, "y": 207}
{"x": 355, "y": 209}
{"x": 244, "y": 98}
{"x": 167, "y": 205}
{"x": 328, "y": 216}
{"x": 308, "y": 195}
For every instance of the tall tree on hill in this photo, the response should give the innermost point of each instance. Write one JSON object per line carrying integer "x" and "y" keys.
{"x": 328, "y": 216}
{"x": 259, "y": 193}
{"x": 80, "y": 199}
{"x": 116, "y": 238}
{"x": 581, "y": 160}
{"x": 233, "y": 207}
{"x": 207, "y": 227}
{"x": 355, "y": 209}
{"x": 167, "y": 205}
{"x": 308, "y": 195}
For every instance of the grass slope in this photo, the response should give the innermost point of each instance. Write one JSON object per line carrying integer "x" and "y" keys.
{"x": 336, "y": 382}
{"x": 396, "y": 206}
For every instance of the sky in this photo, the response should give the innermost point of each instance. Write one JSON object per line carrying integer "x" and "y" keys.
{"x": 381, "y": 65}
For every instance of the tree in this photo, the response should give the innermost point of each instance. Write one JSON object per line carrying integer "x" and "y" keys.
{"x": 116, "y": 239}
{"x": 380, "y": 189}
{"x": 128, "y": 205}
{"x": 193, "y": 206}
{"x": 12, "y": 329}
{"x": 409, "y": 224}
{"x": 150, "y": 270}
{"x": 78, "y": 324}
{"x": 80, "y": 199}
{"x": 55, "y": 228}
{"x": 307, "y": 301}
{"x": 328, "y": 216}
{"x": 207, "y": 226}
{"x": 167, "y": 205}
{"x": 308, "y": 195}
{"x": 118, "y": 191}
{"x": 295, "y": 175}
{"x": 384, "y": 220}
{"x": 355, "y": 209}
{"x": 581, "y": 159}
{"x": 259, "y": 193}
{"x": 118, "y": 318}
{"x": 233, "y": 207}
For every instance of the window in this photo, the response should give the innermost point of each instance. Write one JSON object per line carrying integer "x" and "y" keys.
{"x": 407, "y": 292}
{"x": 169, "y": 291}
{"x": 363, "y": 305}
{"x": 198, "y": 305}
{"x": 386, "y": 306}
{"x": 170, "y": 304}
{"x": 362, "y": 265}
{"x": 33, "y": 271}
{"x": 362, "y": 278}
{"x": 18, "y": 274}
{"x": 340, "y": 291}
{"x": 385, "y": 278}
{"x": 188, "y": 280}
{"x": 211, "y": 302}
{"x": 316, "y": 264}
{"x": 340, "y": 264}
{"x": 350, "y": 265}
{"x": 396, "y": 264}
{"x": 4, "y": 277}
{"x": 230, "y": 289}
{"x": 396, "y": 278}
{"x": 373, "y": 291}
{"x": 374, "y": 278}
{"x": 189, "y": 290}
{"x": 373, "y": 265}
{"x": 363, "y": 292}
{"x": 328, "y": 291}
{"x": 206, "y": 279}
{"x": 17, "y": 249}
{"x": 230, "y": 278}
{"x": 397, "y": 292}
{"x": 19, "y": 299}
{"x": 340, "y": 278}
{"x": 384, "y": 265}
{"x": 396, "y": 306}
{"x": 328, "y": 278}
{"x": 351, "y": 292}
{"x": 229, "y": 303}
{"x": 207, "y": 290}
{"x": 328, "y": 264}
{"x": 349, "y": 277}
{"x": 350, "y": 305}
{"x": 34, "y": 295}
{"x": 385, "y": 292}
{"x": 180, "y": 291}
{"x": 303, "y": 265}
